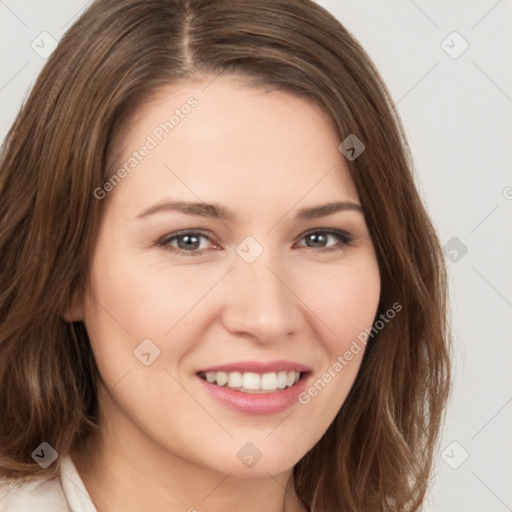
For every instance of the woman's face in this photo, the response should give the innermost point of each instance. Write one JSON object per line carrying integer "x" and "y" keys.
{"x": 217, "y": 259}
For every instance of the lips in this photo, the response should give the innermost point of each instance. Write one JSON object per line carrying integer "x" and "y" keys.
{"x": 258, "y": 367}
{"x": 268, "y": 392}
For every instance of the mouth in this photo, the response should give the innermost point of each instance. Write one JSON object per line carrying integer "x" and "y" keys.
{"x": 254, "y": 382}
{"x": 255, "y": 387}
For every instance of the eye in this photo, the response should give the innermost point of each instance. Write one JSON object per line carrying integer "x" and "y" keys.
{"x": 321, "y": 239}
{"x": 188, "y": 243}
{"x": 195, "y": 243}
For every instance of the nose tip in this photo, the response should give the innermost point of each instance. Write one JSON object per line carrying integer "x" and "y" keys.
{"x": 258, "y": 300}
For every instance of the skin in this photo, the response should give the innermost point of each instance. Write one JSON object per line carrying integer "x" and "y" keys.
{"x": 164, "y": 444}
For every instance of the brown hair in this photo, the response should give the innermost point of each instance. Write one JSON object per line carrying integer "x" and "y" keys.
{"x": 377, "y": 454}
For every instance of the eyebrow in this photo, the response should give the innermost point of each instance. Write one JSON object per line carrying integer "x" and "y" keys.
{"x": 216, "y": 211}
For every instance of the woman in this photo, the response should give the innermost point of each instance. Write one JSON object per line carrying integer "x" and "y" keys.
{"x": 299, "y": 360}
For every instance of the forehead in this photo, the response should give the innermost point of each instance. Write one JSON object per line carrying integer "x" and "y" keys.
{"x": 227, "y": 140}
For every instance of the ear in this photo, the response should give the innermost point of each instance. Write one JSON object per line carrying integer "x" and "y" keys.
{"x": 74, "y": 312}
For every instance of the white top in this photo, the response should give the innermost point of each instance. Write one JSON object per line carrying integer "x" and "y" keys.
{"x": 65, "y": 493}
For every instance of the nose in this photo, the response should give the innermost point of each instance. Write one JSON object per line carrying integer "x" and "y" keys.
{"x": 259, "y": 301}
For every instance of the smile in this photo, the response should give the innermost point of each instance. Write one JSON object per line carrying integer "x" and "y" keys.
{"x": 252, "y": 382}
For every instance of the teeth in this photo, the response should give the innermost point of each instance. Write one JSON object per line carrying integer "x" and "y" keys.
{"x": 269, "y": 381}
{"x": 234, "y": 380}
{"x": 281, "y": 380}
{"x": 253, "y": 382}
{"x": 221, "y": 378}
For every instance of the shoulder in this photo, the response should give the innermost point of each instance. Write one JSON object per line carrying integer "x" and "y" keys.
{"x": 34, "y": 495}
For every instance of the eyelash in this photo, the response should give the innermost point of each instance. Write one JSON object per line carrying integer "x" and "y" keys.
{"x": 345, "y": 238}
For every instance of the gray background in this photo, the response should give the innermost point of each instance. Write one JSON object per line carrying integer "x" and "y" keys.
{"x": 456, "y": 106}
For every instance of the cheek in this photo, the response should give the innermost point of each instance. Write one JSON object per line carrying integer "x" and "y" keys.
{"x": 131, "y": 300}
{"x": 147, "y": 298}
{"x": 345, "y": 306}
{"x": 345, "y": 301}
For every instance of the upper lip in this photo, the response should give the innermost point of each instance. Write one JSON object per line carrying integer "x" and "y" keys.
{"x": 257, "y": 367}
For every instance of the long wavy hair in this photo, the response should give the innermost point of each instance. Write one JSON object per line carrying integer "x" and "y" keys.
{"x": 377, "y": 454}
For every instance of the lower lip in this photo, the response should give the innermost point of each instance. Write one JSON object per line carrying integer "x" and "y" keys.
{"x": 257, "y": 403}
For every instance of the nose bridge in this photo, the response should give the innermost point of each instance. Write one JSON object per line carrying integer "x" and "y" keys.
{"x": 260, "y": 302}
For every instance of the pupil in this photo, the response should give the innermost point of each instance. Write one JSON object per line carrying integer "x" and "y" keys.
{"x": 318, "y": 240}
{"x": 188, "y": 242}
